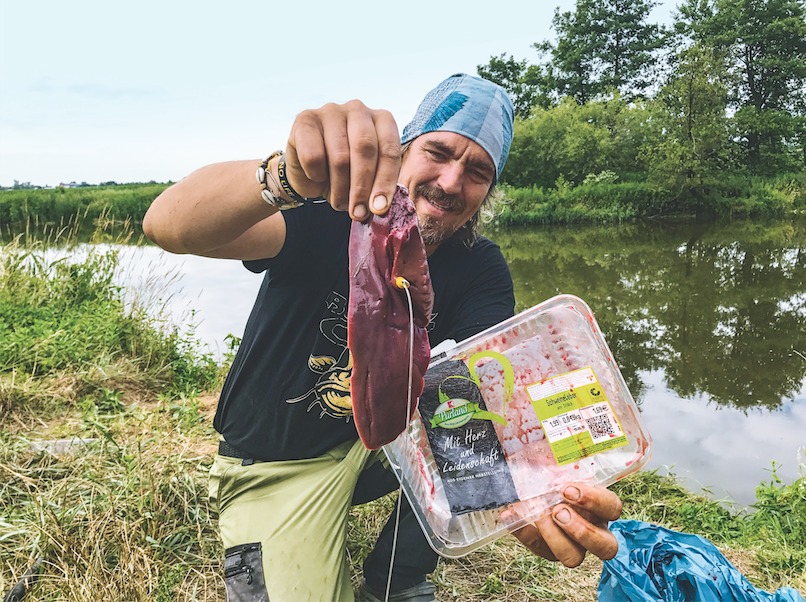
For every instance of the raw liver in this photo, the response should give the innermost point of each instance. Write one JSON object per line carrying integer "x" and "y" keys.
{"x": 381, "y": 249}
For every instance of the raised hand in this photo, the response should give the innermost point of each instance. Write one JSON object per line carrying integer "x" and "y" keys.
{"x": 347, "y": 153}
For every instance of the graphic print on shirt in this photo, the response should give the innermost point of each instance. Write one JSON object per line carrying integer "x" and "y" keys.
{"x": 331, "y": 393}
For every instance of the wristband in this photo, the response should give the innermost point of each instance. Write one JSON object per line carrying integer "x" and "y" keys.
{"x": 286, "y": 186}
{"x": 263, "y": 174}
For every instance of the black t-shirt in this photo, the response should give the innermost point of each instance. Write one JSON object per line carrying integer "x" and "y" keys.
{"x": 287, "y": 393}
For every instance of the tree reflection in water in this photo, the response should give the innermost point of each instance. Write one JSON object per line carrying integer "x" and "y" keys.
{"x": 719, "y": 308}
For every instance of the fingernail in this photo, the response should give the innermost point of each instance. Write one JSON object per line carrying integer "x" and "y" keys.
{"x": 563, "y": 516}
{"x": 379, "y": 203}
{"x": 359, "y": 212}
{"x": 572, "y": 493}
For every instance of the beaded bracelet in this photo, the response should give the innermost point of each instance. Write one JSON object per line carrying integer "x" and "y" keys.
{"x": 286, "y": 186}
{"x": 263, "y": 174}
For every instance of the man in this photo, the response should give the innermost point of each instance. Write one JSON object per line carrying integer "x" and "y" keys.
{"x": 290, "y": 463}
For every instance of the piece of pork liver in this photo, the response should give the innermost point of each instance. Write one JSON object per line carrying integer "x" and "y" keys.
{"x": 382, "y": 249}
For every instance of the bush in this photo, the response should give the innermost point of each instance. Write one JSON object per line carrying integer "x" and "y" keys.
{"x": 599, "y": 201}
{"x": 603, "y": 199}
{"x": 68, "y": 315}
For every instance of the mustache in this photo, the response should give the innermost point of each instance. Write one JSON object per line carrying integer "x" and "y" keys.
{"x": 435, "y": 194}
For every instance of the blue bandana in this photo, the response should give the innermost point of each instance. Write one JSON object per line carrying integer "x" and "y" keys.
{"x": 473, "y": 107}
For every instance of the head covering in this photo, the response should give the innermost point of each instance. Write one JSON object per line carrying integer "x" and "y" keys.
{"x": 471, "y": 106}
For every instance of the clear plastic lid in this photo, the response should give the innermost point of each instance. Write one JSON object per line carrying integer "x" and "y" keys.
{"x": 508, "y": 417}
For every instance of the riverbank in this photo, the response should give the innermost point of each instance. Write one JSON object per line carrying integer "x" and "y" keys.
{"x": 38, "y": 207}
{"x": 601, "y": 198}
{"x": 124, "y": 514}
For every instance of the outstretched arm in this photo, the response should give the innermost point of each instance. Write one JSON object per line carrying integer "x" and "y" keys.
{"x": 216, "y": 211}
{"x": 347, "y": 153}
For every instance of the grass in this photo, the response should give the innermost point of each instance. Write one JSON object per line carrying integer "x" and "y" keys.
{"x": 122, "y": 518}
{"x": 67, "y": 333}
{"x": 124, "y": 515}
{"x": 60, "y": 205}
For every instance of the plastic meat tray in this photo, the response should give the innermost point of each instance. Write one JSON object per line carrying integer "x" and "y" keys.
{"x": 508, "y": 417}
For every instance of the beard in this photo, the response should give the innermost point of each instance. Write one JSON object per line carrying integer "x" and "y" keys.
{"x": 433, "y": 230}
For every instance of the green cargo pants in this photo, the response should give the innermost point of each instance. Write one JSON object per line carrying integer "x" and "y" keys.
{"x": 290, "y": 519}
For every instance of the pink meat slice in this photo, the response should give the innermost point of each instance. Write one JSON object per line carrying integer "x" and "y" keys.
{"x": 382, "y": 249}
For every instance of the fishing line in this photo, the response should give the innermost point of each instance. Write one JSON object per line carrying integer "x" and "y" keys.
{"x": 403, "y": 284}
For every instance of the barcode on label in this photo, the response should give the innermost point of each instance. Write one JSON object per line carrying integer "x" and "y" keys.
{"x": 601, "y": 427}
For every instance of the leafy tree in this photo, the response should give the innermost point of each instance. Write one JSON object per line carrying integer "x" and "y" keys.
{"x": 571, "y": 141}
{"x": 768, "y": 39}
{"x": 526, "y": 84}
{"x": 799, "y": 139}
{"x": 570, "y": 68}
{"x": 555, "y": 142}
{"x": 629, "y": 126}
{"x": 763, "y": 45}
{"x": 689, "y": 147}
{"x": 603, "y": 46}
{"x": 691, "y": 22}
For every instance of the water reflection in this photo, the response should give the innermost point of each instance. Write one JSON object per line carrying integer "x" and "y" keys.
{"x": 708, "y": 323}
{"x": 725, "y": 449}
{"x": 720, "y": 309}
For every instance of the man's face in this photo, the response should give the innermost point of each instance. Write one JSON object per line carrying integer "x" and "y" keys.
{"x": 448, "y": 177}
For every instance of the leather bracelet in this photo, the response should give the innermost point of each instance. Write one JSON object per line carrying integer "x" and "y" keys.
{"x": 286, "y": 186}
{"x": 263, "y": 175}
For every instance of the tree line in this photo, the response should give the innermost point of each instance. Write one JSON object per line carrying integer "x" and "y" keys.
{"x": 718, "y": 94}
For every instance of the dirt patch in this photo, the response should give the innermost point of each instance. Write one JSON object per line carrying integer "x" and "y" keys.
{"x": 744, "y": 560}
{"x": 208, "y": 404}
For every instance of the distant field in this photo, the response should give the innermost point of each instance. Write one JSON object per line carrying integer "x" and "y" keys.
{"x": 38, "y": 207}
{"x": 593, "y": 201}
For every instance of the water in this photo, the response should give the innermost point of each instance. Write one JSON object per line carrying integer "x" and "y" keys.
{"x": 707, "y": 321}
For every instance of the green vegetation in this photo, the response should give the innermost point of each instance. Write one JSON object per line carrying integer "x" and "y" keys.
{"x": 39, "y": 208}
{"x": 601, "y": 198}
{"x": 123, "y": 513}
{"x": 68, "y": 335}
{"x": 112, "y": 517}
{"x": 774, "y": 532}
{"x": 707, "y": 116}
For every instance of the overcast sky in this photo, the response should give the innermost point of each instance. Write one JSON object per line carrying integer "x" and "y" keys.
{"x": 94, "y": 90}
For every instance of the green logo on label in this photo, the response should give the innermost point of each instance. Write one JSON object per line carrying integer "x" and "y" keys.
{"x": 454, "y": 413}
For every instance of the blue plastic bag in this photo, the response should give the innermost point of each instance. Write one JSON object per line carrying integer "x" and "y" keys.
{"x": 656, "y": 564}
